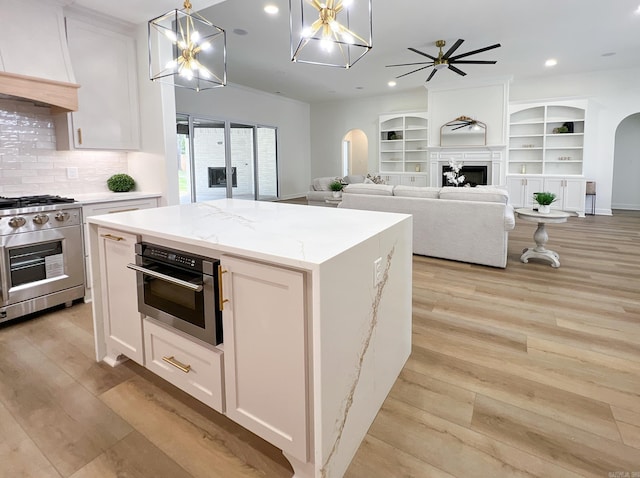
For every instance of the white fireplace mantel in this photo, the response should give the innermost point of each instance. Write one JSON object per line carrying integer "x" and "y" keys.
{"x": 493, "y": 156}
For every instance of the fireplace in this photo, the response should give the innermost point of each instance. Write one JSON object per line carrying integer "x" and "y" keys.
{"x": 473, "y": 175}
{"x": 218, "y": 177}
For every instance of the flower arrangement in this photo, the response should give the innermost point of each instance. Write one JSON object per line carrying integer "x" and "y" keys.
{"x": 453, "y": 175}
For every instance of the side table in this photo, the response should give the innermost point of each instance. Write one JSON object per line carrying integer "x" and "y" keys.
{"x": 540, "y": 236}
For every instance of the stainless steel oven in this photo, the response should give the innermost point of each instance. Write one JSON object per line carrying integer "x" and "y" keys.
{"x": 40, "y": 256}
{"x": 180, "y": 290}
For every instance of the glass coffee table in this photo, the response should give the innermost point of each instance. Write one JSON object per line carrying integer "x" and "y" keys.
{"x": 540, "y": 236}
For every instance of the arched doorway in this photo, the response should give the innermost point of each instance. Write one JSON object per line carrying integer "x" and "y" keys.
{"x": 355, "y": 152}
{"x": 626, "y": 164}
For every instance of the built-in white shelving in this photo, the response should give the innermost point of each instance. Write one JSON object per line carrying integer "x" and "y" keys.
{"x": 546, "y": 142}
{"x": 403, "y": 146}
{"x": 538, "y": 142}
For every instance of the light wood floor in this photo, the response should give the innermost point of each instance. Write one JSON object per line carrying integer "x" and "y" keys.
{"x": 527, "y": 371}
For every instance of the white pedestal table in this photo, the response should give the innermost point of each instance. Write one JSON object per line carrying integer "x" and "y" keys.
{"x": 540, "y": 236}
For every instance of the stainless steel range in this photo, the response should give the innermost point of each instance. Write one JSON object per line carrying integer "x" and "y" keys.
{"x": 41, "y": 254}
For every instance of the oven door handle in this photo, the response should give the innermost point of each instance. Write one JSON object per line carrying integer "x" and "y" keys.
{"x": 166, "y": 278}
{"x": 5, "y": 273}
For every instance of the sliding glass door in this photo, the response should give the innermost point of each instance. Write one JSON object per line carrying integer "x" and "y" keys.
{"x": 226, "y": 160}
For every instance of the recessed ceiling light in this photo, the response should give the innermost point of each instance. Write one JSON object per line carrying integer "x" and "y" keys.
{"x": 637, "y": 12}
{"x": 240, "y": 31}
{"x": 551, "y": 62}
{"x": 271, "y": 9}
{"x": 392, "y": 83}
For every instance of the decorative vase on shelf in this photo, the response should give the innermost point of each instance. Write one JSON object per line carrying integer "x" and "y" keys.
{"x": 544, "y": 209}
{"x": 337, "y": 194}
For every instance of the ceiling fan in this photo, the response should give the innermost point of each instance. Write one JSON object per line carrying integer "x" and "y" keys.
{"x": 445, "y": 60}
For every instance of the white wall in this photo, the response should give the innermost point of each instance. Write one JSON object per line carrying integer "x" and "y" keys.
{"x": 626, "y": 191}
{"x": 330, "y": 122}
{"x": 613, "y": 96}
{"x": 486, "y": 103}
{"x": 155, "y": 167}
{"x": 291, "y": 117}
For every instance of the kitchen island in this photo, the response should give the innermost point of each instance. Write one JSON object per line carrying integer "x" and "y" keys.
{"x": 317, "y": 317}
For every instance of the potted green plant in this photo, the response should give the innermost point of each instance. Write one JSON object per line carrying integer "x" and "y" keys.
{"x": 120, "y": 183}
{"x": 544, "y": 201}
{"x": 336, "y": 188}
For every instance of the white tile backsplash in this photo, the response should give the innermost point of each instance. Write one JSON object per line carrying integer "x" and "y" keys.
{"x": 30, "y": 164}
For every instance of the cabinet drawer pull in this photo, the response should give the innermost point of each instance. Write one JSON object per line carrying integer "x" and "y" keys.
{"x": 221, "y": 300}
{"x": 123, "y": 210}
{"x": 112, "y": 237}
{"x": 79, "y": 135}
{"x": 172, "y": 361}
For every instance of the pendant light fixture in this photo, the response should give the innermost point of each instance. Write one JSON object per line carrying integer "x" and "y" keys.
{"x": 187, "y": 50}
{"x": 330, "y": 32}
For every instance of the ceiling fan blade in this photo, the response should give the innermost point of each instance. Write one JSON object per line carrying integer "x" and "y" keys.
{"x": 428, "y": 66}
{"x": 450, "y": 51}
{"x": 432, "y": 73}
{"x": 422, "y": 53}
{"x": 469, "y": 53}
{"x": 459, "y": 72}
{"x": 412, "y": 64}
{"x": 474, "y": 62}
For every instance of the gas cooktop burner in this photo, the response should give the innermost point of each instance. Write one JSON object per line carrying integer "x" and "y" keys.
{"x": 29, "y": 201}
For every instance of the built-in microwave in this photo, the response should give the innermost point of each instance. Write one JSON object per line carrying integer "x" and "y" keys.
{"x": 180, "y": 290}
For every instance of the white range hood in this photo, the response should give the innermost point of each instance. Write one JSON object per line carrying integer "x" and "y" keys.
{"x": 34, "y": 58}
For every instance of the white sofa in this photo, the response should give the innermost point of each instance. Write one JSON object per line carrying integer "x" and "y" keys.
{"x": 319, "y": 190}
{"x": 461, "y": 224}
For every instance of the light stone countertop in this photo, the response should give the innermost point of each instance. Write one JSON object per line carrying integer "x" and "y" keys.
{"x": 289, "y": 234}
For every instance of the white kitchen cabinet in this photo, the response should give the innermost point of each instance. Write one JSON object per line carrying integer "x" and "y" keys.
{"x": 107, "y": 207}
{"x": 123, "y": 327}
{"x": 391, "y": 179}
{"x": 191, "y": 367}
{"x": 414, "y": 180}
{"x": 521, "y": 189}
{"x": 570, "y": 193}
{"x": 104, "y": 63}
{"x": 266, "y": 353}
